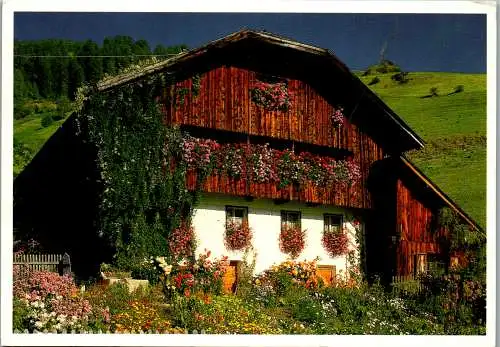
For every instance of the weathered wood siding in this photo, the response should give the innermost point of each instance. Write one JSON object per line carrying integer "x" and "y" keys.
{"x": 414, "y": 223}
{"x": 336, "y": 195}
{"x": 224, "y": 103}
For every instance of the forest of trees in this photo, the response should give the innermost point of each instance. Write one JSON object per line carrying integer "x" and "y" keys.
{"x": 56, "y": 77}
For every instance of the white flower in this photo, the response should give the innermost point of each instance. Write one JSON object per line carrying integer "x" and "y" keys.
{"x": 167, "y": 269}
{"x": 42, "y": 305}
{"x": 38, "y": 324}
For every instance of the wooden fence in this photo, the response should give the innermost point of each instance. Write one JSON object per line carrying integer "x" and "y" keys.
{"x": 59, "y": 263}
{"x": 408, "y": 283}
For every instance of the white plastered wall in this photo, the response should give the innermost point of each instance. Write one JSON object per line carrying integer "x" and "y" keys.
{"x": 264, "y": 218}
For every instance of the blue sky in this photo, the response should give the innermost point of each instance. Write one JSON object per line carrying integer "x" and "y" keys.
{"x": 417, "y": 42}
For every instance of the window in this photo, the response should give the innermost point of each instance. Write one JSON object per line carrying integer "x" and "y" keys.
{"x": 290, "y": 219}
{"x": 436, "y": 265}
{"x": 420, "y": 264}
{"x": 429, "y": 263}
{"x": 236, "y": 214}
{"x": 333, "y": 223}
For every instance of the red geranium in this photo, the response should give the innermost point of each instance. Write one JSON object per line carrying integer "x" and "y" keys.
{"x": 292, "y": 240}
{"x": 271, "y": 96}
{"x": 335, "y": 243}
{"x": 238, "y": 235}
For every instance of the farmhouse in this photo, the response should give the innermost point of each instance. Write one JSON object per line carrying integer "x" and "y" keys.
{"x": 304, "y": 150}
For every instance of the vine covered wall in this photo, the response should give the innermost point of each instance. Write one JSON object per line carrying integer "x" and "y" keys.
{"x": 142, "y": 195}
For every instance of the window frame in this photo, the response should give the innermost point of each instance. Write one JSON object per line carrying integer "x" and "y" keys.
{"x": 232, "y": 216}
{"x": 284, "y": 218}
{"x": 330, "y": 216}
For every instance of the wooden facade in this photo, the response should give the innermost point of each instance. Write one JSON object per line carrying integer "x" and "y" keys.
{"x": 416, "y": 230}
{"x": 223, "y": 103}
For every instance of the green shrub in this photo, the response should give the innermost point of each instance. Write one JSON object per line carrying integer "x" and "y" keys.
{"x": 307, "y": 310}
{"x": 145, "y": 272}
{"x": 21, "y": 111}
{"x": 115, "y": 296}
{"x": 20, "y": 312}
{"x": 58, "y": 116}
{"x": 374, "y": 80}
{"x": 245, "y": 274}
{"x": 385, "y": 66}
{"x": 47, "y": 120}
{"x": 401, "y": 77}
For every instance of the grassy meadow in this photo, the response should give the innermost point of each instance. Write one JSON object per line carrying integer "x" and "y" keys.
{"x": 453, "y": 125}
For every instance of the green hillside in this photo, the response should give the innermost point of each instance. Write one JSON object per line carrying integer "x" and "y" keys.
{"x": 453, "y": 126}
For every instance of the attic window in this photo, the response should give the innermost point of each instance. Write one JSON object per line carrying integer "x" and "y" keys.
{"x": 271, "y": 93}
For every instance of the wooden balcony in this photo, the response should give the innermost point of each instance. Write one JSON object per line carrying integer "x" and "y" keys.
{"x": 336, "y": 194}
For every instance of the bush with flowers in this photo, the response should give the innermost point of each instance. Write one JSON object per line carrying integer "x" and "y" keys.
{"x": 238, "y": 235}
{"x": 142, "y": 316}
{"x": 292, "y": 240}
{"x": 271, "y": 96}
{"x": 230, "y": 314}
{"x": 182, "y": 241}
{"x": 302, "y": 273}
{"x": 49, "y": 301}
{"x": 202, "y": 275}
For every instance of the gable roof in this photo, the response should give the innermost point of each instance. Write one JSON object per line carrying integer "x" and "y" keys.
{"x": 419, "y": 175}
{"x": 312, "y": 61}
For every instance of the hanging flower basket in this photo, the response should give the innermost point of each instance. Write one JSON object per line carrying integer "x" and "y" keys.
{"x": 338, "y": 118}
{"x": 335, "y": 243}
{"x": 292, "y": 240}
{"x": 238, "y": 235}
{"x": 271, "y": 96}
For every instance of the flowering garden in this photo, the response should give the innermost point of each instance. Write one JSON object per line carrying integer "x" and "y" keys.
{"x": 288, "y": 298}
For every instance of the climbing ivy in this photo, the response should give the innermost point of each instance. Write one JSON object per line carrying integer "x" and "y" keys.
{"x": 142, "y": 195}
{"x": 472, "y": 243}
{"x": 195, "y": 88}
{"x": 460, "y": 237}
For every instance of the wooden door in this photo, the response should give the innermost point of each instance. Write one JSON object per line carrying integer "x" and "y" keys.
{"x": 231, "y": 277}
{"x": 327, "y": 273}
